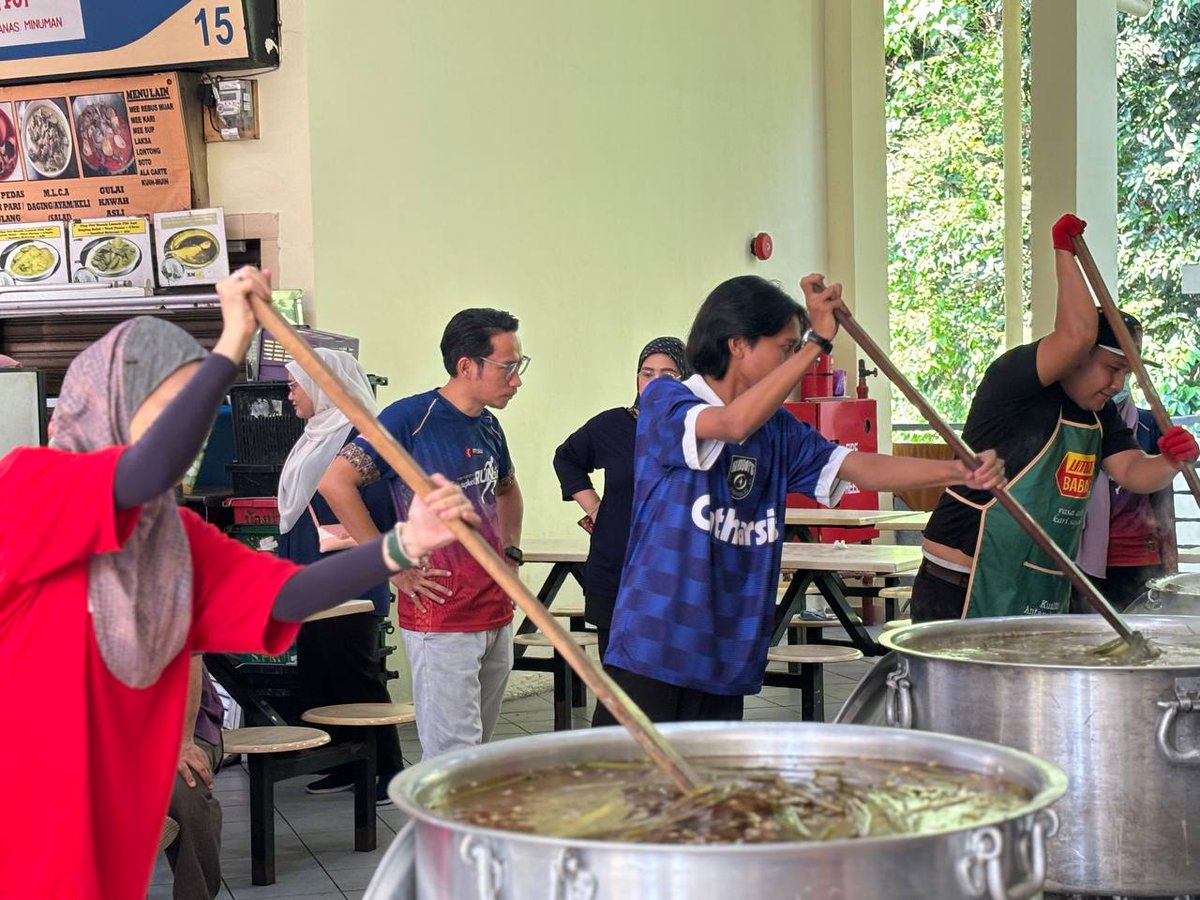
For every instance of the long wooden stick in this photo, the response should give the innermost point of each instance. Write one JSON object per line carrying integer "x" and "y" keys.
{"x": 1133, "y": 356}
{"x": 607, "y": 691}
{"x": 1003, "y": 496}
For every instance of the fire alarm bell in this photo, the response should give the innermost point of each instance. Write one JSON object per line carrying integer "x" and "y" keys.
{"x": 762, "y": 246}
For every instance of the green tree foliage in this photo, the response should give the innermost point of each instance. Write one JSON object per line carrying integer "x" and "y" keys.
{"x": 945, "y": 196}
{"x": 945, "y": 192}
{"x": 1158, "y": 164}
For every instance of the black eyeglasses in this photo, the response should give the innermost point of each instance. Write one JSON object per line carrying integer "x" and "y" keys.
{"x": 511, "y": 369}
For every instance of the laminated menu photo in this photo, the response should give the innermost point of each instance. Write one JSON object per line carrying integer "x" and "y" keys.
{"x": 190, "y": 247}
{"x": 34, "y": 254}
{"x": 112, "y": 250}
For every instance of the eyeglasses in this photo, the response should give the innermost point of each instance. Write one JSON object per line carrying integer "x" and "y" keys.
{"x": 664, "y": 373}
{"x": 511, "y": 369}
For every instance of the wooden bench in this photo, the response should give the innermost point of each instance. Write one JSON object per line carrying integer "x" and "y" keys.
{"x": 811, "y": 658}
{"x": 564, "y": 675}
{"x": 275, "y": 753}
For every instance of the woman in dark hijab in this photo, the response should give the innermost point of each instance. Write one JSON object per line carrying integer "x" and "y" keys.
{"x": 107, "y": 590}
{"x": 606, "y": 442}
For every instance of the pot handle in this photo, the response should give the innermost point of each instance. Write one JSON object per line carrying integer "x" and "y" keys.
{"x": 897, "y": 705}
{"x": 489, "y": 873}
{"x": 981, "y": 870}
{"x": 1187, "y": 699}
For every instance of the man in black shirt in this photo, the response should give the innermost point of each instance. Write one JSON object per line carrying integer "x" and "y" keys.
{"x": 1046, "y": 408}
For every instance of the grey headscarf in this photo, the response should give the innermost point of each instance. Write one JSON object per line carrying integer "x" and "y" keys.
{"x": 140, "y": 597}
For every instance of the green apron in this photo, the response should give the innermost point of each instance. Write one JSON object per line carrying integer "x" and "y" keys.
{"x": 1012, "y": 576}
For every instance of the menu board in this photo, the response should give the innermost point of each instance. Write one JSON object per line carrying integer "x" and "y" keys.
{"x": 87, "y": 149}
{"x": 45, "y": 39}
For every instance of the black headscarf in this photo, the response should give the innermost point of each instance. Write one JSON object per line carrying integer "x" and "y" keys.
{"x": 672, "y": 347}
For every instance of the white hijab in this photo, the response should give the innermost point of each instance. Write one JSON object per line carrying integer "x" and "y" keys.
{"x": 324, "y": 434}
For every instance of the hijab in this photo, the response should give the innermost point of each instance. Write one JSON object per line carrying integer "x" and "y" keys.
{"x": 324, "y": 434}
{"x": 672, "y": 347}
{"x": 140, "y": 597}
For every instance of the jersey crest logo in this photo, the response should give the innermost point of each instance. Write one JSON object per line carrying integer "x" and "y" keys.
{"x": 1075, "y": 473}
{"x": 741, "y": 476}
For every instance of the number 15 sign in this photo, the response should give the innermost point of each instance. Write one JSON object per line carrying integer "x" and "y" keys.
{"x": 45, "y": 40}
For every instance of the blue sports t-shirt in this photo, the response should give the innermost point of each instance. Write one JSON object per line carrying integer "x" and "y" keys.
{"x": 473, "y": 452}
{"x": 697, "y": 599}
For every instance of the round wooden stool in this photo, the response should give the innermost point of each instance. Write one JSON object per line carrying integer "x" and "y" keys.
{"x": 537, "y": 639}
{"x": 568, "y": 692}
{"x": 169, "y": 833}
{"x": 272, "y": 739}
{"x": 361, "y": 714}
{"x": 810, "y": 659}
{"x": 814, "y": 654}
{"x": 892, "y": 595}
{"x": 896, "y": 623}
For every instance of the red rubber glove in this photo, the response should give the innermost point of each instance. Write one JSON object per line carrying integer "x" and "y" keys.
{"x": 1065, "y": 229}
{"x": 1178, "y": 443}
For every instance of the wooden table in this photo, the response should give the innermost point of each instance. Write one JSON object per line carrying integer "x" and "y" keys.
{"x": 1189, "y": 554}
{"x": 909, "y": 521}
{"x": 817, "y": 564}
{"x": 349, "y": 608}
{"x": 821, "y": 565}
{"x": 839, "y": 518}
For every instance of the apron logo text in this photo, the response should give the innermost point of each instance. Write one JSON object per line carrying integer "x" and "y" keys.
{"x": 1075, "y": 474}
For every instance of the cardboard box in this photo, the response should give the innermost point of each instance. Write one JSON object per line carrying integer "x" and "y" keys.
{"x": 34, "y": 254}
{"x": 112, "y": 250}
{"x": 190, "y": 247}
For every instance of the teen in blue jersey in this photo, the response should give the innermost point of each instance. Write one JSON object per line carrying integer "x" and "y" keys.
{"x": 716, "y": 458}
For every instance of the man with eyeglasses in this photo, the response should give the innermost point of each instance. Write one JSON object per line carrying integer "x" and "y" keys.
{"x": 455, "y": 620}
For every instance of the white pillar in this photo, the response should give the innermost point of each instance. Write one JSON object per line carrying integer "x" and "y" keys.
{"x": 1073, "y": 137}
{"x": 856, "y": 169}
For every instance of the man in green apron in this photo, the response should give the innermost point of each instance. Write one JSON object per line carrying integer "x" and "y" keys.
{"x": 1046, "y": 408}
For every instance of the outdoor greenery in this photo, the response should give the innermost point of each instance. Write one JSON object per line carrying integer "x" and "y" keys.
{"x": 945, "y": 192}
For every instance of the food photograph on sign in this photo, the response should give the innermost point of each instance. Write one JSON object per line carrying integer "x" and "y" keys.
{"x": 10, "y": 154}
{"x": 46, "y": 139}
{"x": 105, "y": 140}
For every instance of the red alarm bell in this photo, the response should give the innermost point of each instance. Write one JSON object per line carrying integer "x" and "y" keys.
{"x": 762, "y": 246}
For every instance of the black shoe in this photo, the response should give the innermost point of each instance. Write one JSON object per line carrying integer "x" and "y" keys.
{"x": 330, "y": 784}
{"x": 381, "y": 792}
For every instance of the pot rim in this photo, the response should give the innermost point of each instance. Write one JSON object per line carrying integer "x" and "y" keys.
{"x": 892, "y": 640}
{"x": 405, "y": 786}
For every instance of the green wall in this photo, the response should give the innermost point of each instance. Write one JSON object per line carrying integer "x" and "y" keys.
{"x": 594, "y": 167}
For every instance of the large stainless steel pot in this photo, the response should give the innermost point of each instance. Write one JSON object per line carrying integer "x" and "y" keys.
{"x": 1170, "y": 595}
{"x": 1128, "y": 739}
{"x": 999, "y": 858}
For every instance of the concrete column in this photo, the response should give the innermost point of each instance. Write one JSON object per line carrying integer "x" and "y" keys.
{"x": 1073, "y": 139}
{"x": 856, "y": 172}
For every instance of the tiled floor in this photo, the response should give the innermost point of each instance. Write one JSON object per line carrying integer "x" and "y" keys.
{"x": 314, "y": 856}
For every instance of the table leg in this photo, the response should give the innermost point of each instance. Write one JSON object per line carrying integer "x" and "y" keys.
{"x": 549, "y": 589}
{"x": 833, "y": 590}
{"x": 563, "y": 682}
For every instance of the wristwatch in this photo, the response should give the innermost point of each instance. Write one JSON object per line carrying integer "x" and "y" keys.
{"x": 515, "y": 554}
{"x": 826, "y": 345}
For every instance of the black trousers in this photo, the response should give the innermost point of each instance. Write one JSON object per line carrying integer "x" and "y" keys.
{"x": 195, "y": 857}
{"x": 935, "y": 598}
{"x": 338, "y": 662}
{"x": 664, "y": 702}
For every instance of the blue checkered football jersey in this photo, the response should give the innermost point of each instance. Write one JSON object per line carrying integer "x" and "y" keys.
{"x": 697, "y": 598}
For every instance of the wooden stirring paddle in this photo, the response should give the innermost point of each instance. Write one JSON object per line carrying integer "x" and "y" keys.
{"x": 609, "y": 693}
{"x": 1130, "y": 641}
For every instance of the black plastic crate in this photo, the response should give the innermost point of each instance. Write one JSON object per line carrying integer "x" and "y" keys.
{"x": 265, "y": 425}
{"x": 254, "y": 480}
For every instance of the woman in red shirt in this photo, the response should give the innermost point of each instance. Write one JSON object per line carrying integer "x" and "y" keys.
{"x": 107, "y": 589}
